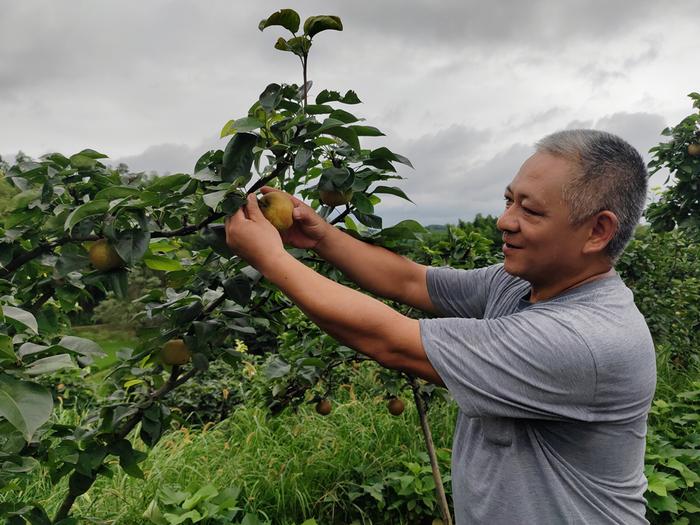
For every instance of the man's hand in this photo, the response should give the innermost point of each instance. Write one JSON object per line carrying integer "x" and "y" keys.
{"x": 308, "y": 229}
{"x": 252, "y": 237}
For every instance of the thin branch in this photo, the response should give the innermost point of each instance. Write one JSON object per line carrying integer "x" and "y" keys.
{"x": 25, "y": 257}
{"x": 342, "y": 215}
{"x": 439, "y": 487}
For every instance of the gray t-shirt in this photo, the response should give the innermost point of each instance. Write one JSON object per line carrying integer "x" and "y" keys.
{"x": 553, "y": 398}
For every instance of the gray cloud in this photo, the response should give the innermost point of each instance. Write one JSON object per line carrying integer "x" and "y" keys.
{"x": 146, "y": 83}
{"x": 451, "y": 179}
{"x": 168, "y": 158}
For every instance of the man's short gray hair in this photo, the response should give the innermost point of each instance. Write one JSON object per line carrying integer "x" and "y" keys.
{"x": 609, "y": 174}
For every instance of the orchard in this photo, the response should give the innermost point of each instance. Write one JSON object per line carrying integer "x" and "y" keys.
{"x": 76, "y": 233}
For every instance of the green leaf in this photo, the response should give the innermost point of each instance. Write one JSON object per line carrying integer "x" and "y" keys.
{"x": 287, "y": 18}
{"x": 318, "y": 109}
{"x": 82, "y": 161}
{"x": 315, "y": 24}
{"x": 116, "y": 192}
{"x": 238, "y": 158}
{"x": 70, "y": 262}
{"x": 92, "y": 154}
{"x": 24, "y": 404}
{"x": 403, "y": 230}
{"x": 663, "y": 503}
{"x": 214, "y": 198}
{"x": 81, "y": 346}
{"x": 7, "y": 352}
{"x": 386, "y": 154}
{"x": 252, "y": 519}
{"x": 204, "y": 493}
{"x": 277, "y": 367}
{"x": 302, "y": 160}
{"x": 372, "y": 221}
{"x": 270, "y": 98}
{"x": 118, "y": 282}
{"x": 328, "y": 123}
{"x": 298, "y": 45}
{"x": 366, "y": 131}
{"x": 89, "y": 209}
{"x": 281, "y": 44}
{"x": 47, "y": 365}
{"x": 21, "y": 316}
{"x": 131, "y": 245}
{"x": 350, "y": 97}
{"x": 22, "y": 199}
{"x": 335, "y": 179}
{"x": 346, "y": 134}
{"x": 334, "y": 96}
{"x": 168, "y": 182}
{"x": 391, "y": 190}
{"x": 240, "y": 125}
{"x": 238, "y": 288}
{"x": 162, "y": 263}
{"x": 362, "y": 203}
{"x": 343, "y": 116}
{"x": 128, "y": 458}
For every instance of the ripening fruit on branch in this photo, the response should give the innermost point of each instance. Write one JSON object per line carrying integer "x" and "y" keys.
{"x": 104, "y": 257}
{"x": 175, "y": 352}
{"x": 334, "y": 198}
{"x": 396, "y": 406}
{"x": 277, "y": 208}
{"x": 694, "y": 150}
{"x": 323, "y": 407}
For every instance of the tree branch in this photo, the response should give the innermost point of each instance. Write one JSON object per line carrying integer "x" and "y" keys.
{"x": 439, "y": 488}
{"x": 25, "y": 257}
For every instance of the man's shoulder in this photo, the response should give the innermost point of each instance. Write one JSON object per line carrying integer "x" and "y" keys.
{"x": 607, "y": 321}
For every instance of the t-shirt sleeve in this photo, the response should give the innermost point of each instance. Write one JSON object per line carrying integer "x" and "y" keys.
{"x": 525, "y": 365}
{"x": 461, "y": 293}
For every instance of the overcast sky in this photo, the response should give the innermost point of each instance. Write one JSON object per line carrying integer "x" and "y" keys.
{"x": 462, "y": 88}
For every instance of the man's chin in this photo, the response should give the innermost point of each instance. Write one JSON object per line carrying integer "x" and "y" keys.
{"x": 514, "y": 270}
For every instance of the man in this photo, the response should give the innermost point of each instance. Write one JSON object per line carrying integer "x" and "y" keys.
{"x": 548, "y": 358}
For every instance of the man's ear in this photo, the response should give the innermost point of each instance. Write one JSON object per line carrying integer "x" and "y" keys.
{"x": 603, "y": 227}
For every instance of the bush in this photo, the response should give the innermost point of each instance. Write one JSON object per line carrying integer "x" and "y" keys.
{"x": 662, "y": 270}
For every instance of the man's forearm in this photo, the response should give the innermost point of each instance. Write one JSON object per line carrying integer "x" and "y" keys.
{"x": 376, "y": 269}
{"x": 352, "y": 318}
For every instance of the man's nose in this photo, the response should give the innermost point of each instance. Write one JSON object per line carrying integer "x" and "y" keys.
{"x": 507, "y": 222}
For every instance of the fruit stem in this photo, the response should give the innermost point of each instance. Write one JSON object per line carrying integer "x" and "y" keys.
{"x": 439, "y": 487}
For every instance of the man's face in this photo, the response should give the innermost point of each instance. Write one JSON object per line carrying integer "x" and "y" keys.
{"x": 540, "y": 245}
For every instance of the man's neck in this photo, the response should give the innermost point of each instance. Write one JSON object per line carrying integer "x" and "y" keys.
{"x": 542, "y": 293}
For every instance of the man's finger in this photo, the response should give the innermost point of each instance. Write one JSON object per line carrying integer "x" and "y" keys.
{"x": 253, "y": 209}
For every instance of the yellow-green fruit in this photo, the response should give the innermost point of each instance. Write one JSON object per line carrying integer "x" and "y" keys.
{"x": 335, "y": 198}
{"x": 104, "y": 257}
{"x": 277, "y": 208}
{"x": 694, "y": 150}
{"x": 395, "y": 406}
{"x": 175, "y": 352}
{"x": 323, "y": 407}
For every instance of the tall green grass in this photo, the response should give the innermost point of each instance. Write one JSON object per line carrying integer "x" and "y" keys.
{"x": 290, "y": 467}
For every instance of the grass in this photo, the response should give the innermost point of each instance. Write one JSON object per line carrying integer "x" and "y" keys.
{"x": 110, "y": 337}
{"x": 290, "y": 468}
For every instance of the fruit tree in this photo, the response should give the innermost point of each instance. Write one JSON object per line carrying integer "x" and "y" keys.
{"x": 76, "y": 229}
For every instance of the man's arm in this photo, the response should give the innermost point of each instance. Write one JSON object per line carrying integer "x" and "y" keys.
{"x": 373, "y": 268}
{"x": 377, "y": 269}
{"x": 356, "y": 320}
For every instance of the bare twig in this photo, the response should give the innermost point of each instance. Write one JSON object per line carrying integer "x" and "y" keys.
{"x": 439, "y": 487}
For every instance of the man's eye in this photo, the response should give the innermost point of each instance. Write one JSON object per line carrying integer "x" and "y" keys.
{"x": 530, "y": 212}
{"x": 508, "y": 200}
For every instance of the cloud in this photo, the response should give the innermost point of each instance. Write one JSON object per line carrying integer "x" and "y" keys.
{"x": 453, "y": 179}
{"x": 642, "y": 130}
